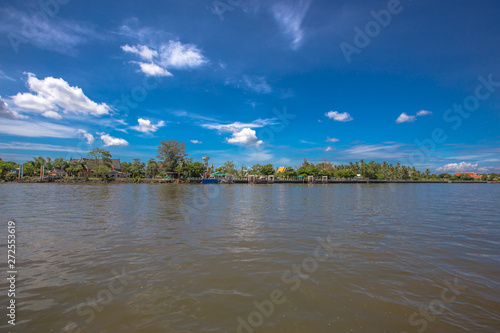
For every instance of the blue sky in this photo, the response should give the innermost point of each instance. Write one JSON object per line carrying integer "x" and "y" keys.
{"x": 415, "y": 82}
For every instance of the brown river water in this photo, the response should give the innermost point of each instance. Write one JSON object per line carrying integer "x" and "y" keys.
{"x": 253, "y": 258}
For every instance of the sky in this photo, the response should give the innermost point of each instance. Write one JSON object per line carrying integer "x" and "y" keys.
{"x": 254, "y": 81}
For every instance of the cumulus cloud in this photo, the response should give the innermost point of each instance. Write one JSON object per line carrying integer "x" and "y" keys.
{"x": 170, "y": 55}
{"x": 196, "y": 142}
{"x": 404, "y": 118}
{"x": 50, "y": 96}
{"x": 337, "y": 116}
{"x": 110, "y": 141}
{"x": 145, "y": 126}
{"x": 289, "y": 17}
{"x": 174, "y": 54}
{"x": 328, "y": 139}
{"x": 328, "y": 149}
{"x": 458, "y": 167}
{"x": 87, "y": 136}
{"x": 246, "y": 137}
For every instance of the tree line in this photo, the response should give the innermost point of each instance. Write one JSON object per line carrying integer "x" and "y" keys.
{"x": 172, "y": 160}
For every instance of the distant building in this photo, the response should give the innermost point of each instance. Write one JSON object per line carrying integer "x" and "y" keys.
{"x": 116, "y": 167}
{"x": 281, "y": 170}
{"x": 472, "y": 174}
{"x": 56, "y": 172}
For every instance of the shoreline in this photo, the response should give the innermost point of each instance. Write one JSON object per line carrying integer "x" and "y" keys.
{"x": 237, "y": 181}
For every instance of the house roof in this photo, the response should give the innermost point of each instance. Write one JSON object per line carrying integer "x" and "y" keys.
{"x": 472, "y": 174}
{"x": 281, "y": 170}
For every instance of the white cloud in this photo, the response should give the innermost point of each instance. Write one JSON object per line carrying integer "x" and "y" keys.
{"x": 142, "y": 50}
{"x": 376, "y": 151}
{"x": 246, "y": 137}
{"x": 259, "y": 156}
{"x": 337, "y": 116}
{"x": 257, "y": 84}
{"x": 151, "y": 69}
{"x": 172, "y": 54}
{"x": 37, "y": 147}
{"x": 5, "y": 112}
{"x": 404, "y": 118}
{"x": 196, "y": 142}
{"x": 87, "y": 136}
{"x": 111, "y": 141}
{"x": 458, "y": 167}
{"x": 36, "y": 129}
{"x": 423, "y": 113}
{"x": 236, "y": 126}
{"x": 52, "y": 115}
{"x": 145, "y": 126}
{"x": 328, "y": 139}
{"x": 30, "y": 102}
{"x": 51, "y": 94}
{"x": 53, "y": 34}
{"x": 328, "y": 149}
{"x": 290, "y": 17}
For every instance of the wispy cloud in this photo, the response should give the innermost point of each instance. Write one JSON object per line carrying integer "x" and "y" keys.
{"x": 289, "y": 16}
{"x": 376, "y": 151}
{"x": 55, "y": 34}
{"x": 38, "y": 147}
{"x": 196, "y": 142}
{"x": 237, "y": 126}
{"x": 257, "y": 84}
{"x": 328, "y": 139}
{"x": 36, "y": 129}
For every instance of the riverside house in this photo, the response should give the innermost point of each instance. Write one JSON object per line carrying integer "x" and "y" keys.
{"x": 116, "y": 168}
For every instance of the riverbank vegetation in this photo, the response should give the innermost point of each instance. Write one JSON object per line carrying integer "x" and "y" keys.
{"x": 172, "y": 162}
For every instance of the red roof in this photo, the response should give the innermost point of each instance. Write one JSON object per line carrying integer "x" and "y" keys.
{"x": 472, "y": 174}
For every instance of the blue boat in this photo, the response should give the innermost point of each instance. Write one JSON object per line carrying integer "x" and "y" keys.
{"x": 210, "y": 181}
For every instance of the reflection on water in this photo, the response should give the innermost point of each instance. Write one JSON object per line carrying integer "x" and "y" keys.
{"x": 193, "y": 258}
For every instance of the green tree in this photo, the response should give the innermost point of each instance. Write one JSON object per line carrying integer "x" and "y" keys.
{"x": 152, "y": 168}
{"x": 97, "y": 157}
{"x": 256, "y": 170}
{"x": 196, "y": 169}
{"x": 5, "y": 170}
{"x": 268, "y": 170}
{"x": 137, "y": 168}
{"x": 229, "y": 168}
{"x": 290, "y": 173}
{"x": 172, "y": 153}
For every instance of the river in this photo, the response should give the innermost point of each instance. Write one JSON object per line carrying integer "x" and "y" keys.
{"x": 253, "y": 258}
